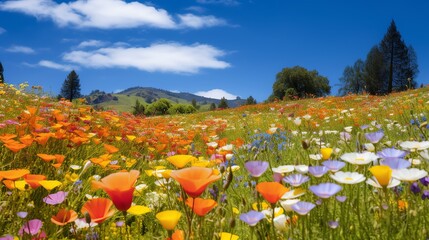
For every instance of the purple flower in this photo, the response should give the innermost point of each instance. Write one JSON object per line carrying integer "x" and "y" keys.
{"x": 341, "y": 198}
{"x": 391, "y": 153}
{"x": 363, "y": 127}
{"x": 374, "y": 137}
{"x": 256, "y": 168}
{"x": 296, "y": 180}
{"x": 55, "y": 198}
{"x": 345, "y": 136}
{"x": 333, "y": 224}
{"x": 31, "y": 227}
{"x": 334, "y": 165}
{"x": 318, "y": 171}
{"x": 395, "y": 163}
{"x": 325, "y": 190}
{"x": 302, "y": 208}
{"x": 425, "y": 194}
{"x": 415, "y": 187}
{"x": 252, "y": 217}
{"x": 119, "y": 223}
{"x": 22, "y": 214}
{"x": 425, "y": 181}
{"x": 277, "y": 177}
{"x": 7, "y": 237}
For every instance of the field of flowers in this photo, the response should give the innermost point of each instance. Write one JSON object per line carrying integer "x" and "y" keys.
{"x": 351, "y": 167}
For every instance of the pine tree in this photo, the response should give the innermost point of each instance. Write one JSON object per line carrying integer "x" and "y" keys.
{"x": 396, "y": 60}
{"x": 138, "y": 109}
{"x": 223, "y": 103}
{"x": 212, "y": 106}
{"x": 374, "y": 72}
{"x": 250, "y": 101}
{"x": 1, "y": 73}
{"x": 71, "y": 86}
{"x": 353, "y": 78}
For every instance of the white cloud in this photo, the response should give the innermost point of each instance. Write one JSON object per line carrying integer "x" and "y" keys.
{"x": 2, "y": 30}
{"x": 161, "y": 57}
{"x": 20, "y": 49}
{"x": 194, "y": 21}
{"x": 105, "y": 14}
{"x": 118, "y": 90}
{"x": 175, "y": 91}
{"x": 49, "y": 64}
{"x": 197, "y": 9}
{"x": 216, "y": 94}
{"x": 91, "y": 43}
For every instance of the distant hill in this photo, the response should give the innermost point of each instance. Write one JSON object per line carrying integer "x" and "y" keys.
{"x": 124, "y": 100}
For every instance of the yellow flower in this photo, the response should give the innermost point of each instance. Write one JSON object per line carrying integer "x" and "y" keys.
{"x": 180, "y": 161}
{"x": 138, "y": 210}
{"x": 21, "y": 185}
{"x": 263, "y": 206}
{"x": 169, "y": 219}
{"x": 383, "y": 174}
{"x": 50, "y": 184}
{"x": 228, "y": 236}
{"x": 326, "y": 153}
{"x": 235, "y": 210}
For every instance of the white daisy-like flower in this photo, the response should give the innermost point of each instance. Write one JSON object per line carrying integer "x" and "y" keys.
{"x": 409, "y": 175}
{"x": 316, "y": 157}
{"x": 281, "y": 223}
{"x": 373, "y": 182}
{"x": 414, "y": 145}
{"x": 287, "y": 204}
{"x": 297, "y": 192}
{"x": 284, "y": 169}
{"x": 348, "y": 177}
{"x": 359, "y": 158}
{"x": 212, "y": 144}
{"x": 303, "y": 169}
{"x": 297, "y": 121}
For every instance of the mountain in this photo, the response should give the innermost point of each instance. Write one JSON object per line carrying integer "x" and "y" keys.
{"x": 124, "y": 100}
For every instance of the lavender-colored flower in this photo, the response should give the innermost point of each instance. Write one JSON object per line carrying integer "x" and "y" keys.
{"x": 277, "y": 177}
{"x": 363, "y": 127}
{"x": 7, "y": 237}
{"x": 252, "y": 217}
{"x": 391, "y": 153}
{"x": 425, "y": 181}
{"x": 341, "y": 198}
{"x": 55, "y": 198}
{"x": 395, "y": 163}
{"x": 119, "y": 223}
{"x": 256, "y": 168}
{"x": 334, "y": 165}
{"x": 333, "y": 224}
{"x": 415, "y": 188}
{"x": 318, "y": 171}
{"x": 325, "y": 190}
{"x": 345, "y": 136}
{"x": 296, "y": 180}
{"x": 374, "y": 137}
{"x": 31, "y": 227}
{"x": 302, "y": 208}
{"x": 425, "y": 194}
{"x": 22, "y": 214}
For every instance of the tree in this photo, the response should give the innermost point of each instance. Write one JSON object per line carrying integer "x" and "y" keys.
{"x": 299, "y": 81}
{"x": 374, "y": 72}
{"x": 212, "y": 107}
{"x": 250, "y": 101}
{"x": 159, "y": 107}
{"x": 1, "y": 73}
{"x": 181, "y": 109}
{"x": 353, "y": 78}
{"x": 139, "y": 108}
{"x": 223, "y": 103}
{"x": 71, "y": 86}
{"x": 397, "y": 60}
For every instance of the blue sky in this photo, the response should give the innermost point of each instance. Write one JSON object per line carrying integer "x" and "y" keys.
{"x": 234, "y": 47}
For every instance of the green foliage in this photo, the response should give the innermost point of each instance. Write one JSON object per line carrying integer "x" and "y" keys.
{"x": 223, "y": 104}
{"x": 139, "y": 108}
{"x": 71, "y": 87}
{"x": 353, "y": 78}
{"x": 301, "y": 82}
{"x": 250, "y": 101}
{"x": 159, "y": 107}
{"x": 212, "y": 106}
{"x": 181, "y": 109}
{"x": 1, "y": 73}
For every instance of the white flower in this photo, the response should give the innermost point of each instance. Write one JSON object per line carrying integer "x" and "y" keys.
{"x": 297, "y": 192}
{"x": 348, "y": 129}
{"x": 306, "y": 117}
{"x": 414, "y": 145}
{"x": 297, "y": 121}
{"x": 359, "y": 158}
{"x": 409, "y": 175}
{"x": 348, "y": 177}
{"x": 212, "y": 144}
{"x": 316, "y": 157}
{"x": 75, "y": 167}
{"x": 369, "y": 146}
{"x": 287, "y": 204}
{"x": 281, "y": 222}
{"x": 303, "y": 169}
{"x": 81, "y": 223}
{"x": 284, "y": 169}
{"x": 373, "y": 182}
{"x": 424, "y": 154}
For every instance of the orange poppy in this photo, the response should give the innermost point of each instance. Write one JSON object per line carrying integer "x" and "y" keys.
{"x": 15, "y": 147}
{"x": 194, "y": 180}
{"x": 99, "y": 209}
{"x": 201, "y": 206}
{"x": 177, "y": 235}
{"x": 27, "y": 140}
{"x": 64, "y": 216}
{"x": 120, "y": 187}
{"x": 110, "y": 148}
{"x": 46, "y": 157}
{"x": 271, "y": 191}
{"x": 34, "y": 179}
{"x": 14, "y": 174}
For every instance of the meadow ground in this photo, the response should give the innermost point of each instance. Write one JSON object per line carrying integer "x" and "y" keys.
{"x": 352, "y": 167}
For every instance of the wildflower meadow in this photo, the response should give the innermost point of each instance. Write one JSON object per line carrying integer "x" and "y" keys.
{"x": 352, "y": 167}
